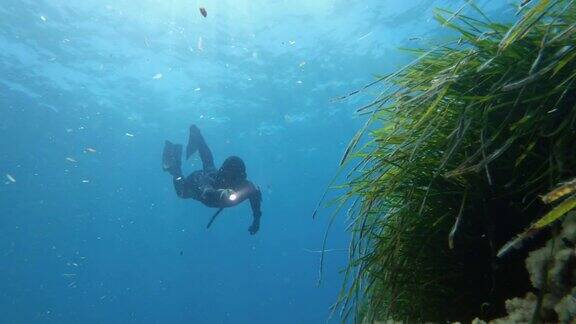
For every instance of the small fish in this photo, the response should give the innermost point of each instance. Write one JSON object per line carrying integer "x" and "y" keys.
{"x": 302, "y": 64}
{"x": 69, "y": 159}
{"x": 203, "y": 12}
{"x": 516, "y": 243}
{"x": 10, "y": 178}
{"x": 299, "y": 81}
{"x": 43, "y": 18}
{"x": 85, "y": 181}
{"x": 559, "y": 192}
{"x": 157, "y": 76}
{"x": 181, "y": 252}
{"x": 90, "y": 150}
{"x": 197, "y": 89}
{"x": 129, "y": 135}
{"x": 414, "y": 38}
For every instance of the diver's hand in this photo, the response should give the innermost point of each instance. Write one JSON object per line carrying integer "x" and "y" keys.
{"x": 253, "y": 229}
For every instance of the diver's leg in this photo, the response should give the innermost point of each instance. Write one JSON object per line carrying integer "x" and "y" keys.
{"x": 187, "y": 187}
{"x": 179, "y": 186}
{"x": 197, "y": 142}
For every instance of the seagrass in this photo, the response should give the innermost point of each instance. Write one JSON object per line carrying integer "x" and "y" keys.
{"x": 451, "y": 165}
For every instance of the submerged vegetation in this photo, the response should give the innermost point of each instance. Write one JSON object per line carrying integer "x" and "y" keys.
{"x": 452, "y": 164}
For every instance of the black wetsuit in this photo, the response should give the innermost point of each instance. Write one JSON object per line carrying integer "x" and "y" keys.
{"x": 206, "y": 186}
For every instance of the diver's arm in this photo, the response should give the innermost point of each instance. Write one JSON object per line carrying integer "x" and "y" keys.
{"x": 255, "y": 200}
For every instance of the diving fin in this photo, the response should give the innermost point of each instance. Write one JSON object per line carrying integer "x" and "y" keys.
{"x": 172, "y": 158}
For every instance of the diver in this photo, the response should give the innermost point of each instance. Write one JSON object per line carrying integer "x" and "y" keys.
{"x": 222, "y": 188}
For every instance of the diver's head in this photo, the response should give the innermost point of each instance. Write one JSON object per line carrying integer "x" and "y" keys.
{"x": 232, "y": 172}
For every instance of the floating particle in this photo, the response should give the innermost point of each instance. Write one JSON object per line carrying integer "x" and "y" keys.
{"x": 69, "y": 159}
{"x": 203, "y": 12}
{"x": 364, "y": 36}
{"x": 157, "y": 76}
{"x": 10, "y": 178}
{"x": 43, "y": 18}
{"x": 129, "y": 135}
{"x": 302, "y": 64}
{"x": 197, "y": 89}
{"x": 90, "y": 150}
{"x": 200, "y": 44}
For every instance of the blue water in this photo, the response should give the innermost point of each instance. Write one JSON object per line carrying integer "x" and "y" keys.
{"x": 91, "y": 230}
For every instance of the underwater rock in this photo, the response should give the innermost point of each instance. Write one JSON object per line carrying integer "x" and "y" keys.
{"x": 552, "y": 270}
{"x": 566, "y": 307}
